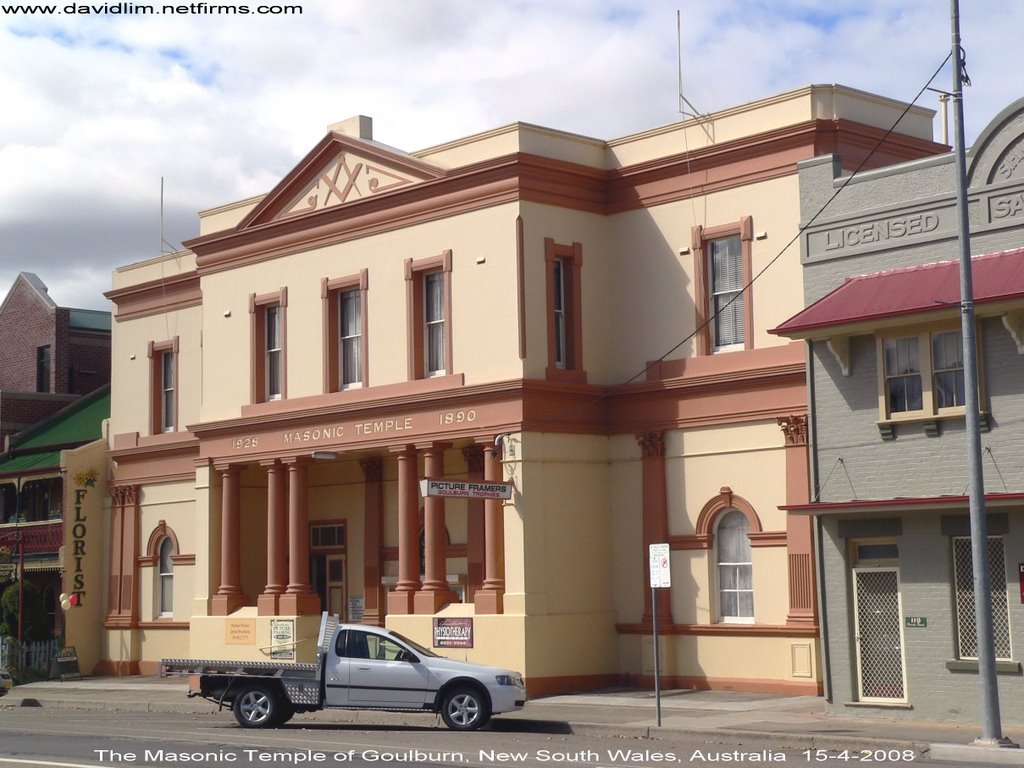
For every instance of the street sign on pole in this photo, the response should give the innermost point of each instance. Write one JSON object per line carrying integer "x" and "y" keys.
{"x": 661, "y": 573}
{"x": 661, "y": 577}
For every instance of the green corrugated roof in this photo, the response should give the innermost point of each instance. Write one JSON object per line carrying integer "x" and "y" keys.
{"x": 80, "y": 422}
{"x": 30, "y": 461}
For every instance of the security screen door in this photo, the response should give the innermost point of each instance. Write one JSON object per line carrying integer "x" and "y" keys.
{"x": 881, "y": 669}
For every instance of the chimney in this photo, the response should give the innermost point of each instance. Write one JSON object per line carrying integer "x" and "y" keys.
{"x": 360, "y": 126}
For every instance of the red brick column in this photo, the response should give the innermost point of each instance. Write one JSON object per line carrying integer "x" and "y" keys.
{"x": 375, "y": 608}
{"x": 400, "y": 600}
{"x": 435, "y": 592}
{"x": 229, "y": 597}
{"x": 299, "y": 597}
{"x": 803, "y": 603}
{"x": 491, "y": 596}
{"x": 277, "y": 538}
{"x": 655, "y": 519}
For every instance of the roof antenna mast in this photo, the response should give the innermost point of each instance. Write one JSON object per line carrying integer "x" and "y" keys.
{"x": 684, "y": 103}
{"x": 165, "y": 247}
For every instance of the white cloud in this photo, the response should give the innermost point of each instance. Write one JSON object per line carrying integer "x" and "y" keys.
{"x": 99, "y": 108}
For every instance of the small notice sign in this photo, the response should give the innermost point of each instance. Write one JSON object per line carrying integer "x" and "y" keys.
{"x": 915, "y": 621}
{"x": 661, "y": 571}
{"x": 240, "y": 632}
{"x": 453, "y": 632}
{"x": 282, "y": 637}
{"x": 65, "y": 666}
{"x": 465, "y": 490}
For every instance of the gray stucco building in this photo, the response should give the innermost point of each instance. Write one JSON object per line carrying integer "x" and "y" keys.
{"x": 887, "y": 427}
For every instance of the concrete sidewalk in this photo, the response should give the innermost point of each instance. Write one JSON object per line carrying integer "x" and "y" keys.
{"x": 724, "y": 717}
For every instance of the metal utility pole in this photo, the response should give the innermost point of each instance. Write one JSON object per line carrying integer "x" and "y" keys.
{"x": 991, "y": 734}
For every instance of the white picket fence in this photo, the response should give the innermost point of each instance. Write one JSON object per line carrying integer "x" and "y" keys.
{"x": 36, "y": 656}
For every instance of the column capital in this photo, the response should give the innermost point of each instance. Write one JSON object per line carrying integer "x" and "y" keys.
{"x": 652, "y": 444}
{"x": 794, "y": 428}
{"x": 297, "y": 461}
{"x": 373, "y": 469}
{"x": 124, "y": 495}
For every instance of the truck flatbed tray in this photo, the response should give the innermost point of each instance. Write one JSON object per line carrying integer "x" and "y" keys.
{"x": 225, "y": 667}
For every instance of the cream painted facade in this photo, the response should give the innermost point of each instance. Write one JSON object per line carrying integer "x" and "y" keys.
{"x": 265, "y": 476}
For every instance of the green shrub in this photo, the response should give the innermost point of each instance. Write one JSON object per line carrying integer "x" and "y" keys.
{"x": 35, "y": 624}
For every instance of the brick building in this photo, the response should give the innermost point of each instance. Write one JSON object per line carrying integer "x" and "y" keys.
{"x": 49, "y": 355}
{"x": 887, "y": 422}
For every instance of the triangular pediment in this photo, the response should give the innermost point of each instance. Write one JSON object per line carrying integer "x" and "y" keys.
{"x": 340, "y": 170}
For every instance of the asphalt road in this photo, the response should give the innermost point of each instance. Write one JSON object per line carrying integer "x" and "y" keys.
{"x": 38, "y": 738}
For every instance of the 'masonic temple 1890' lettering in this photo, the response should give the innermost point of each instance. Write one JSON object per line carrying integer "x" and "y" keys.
{"x": 881, "y": 231}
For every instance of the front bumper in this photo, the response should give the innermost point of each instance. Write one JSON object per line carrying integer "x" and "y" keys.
{"x": 507, "y": 698}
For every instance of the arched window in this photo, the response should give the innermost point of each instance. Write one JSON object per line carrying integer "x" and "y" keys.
{"x": 166, "y": 576}
{"x": 735, "y": 572}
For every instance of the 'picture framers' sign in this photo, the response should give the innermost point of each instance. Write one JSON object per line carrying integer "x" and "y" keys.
{"x": 466, "y": 489}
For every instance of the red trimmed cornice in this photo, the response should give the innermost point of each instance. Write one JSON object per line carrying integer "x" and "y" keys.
{"x": 157, "y": 296}
{"x": 526, "y": 177}
{"x": 482, "y": 185}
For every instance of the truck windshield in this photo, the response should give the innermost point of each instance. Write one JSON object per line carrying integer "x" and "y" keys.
{"x": 415, "y": 646}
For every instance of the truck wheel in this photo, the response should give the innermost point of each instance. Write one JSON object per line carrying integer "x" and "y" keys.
{"x": 465, "y": 709}
{"x": 257, "y": 707}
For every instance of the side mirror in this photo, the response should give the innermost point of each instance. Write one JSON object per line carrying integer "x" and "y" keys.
{"x": 405, "y": 656}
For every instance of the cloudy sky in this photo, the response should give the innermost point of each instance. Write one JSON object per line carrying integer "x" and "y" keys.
{"x": 97, "y": 107}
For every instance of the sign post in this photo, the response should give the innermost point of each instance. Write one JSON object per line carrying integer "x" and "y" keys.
{"x": 661, "y": 577}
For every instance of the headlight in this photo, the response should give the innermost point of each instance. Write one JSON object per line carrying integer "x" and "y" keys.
{"x": 511, "y": 679}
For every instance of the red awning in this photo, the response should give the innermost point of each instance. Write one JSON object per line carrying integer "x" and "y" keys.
{"x": 910, "y": 291}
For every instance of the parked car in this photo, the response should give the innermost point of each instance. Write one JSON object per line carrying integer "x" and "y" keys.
{"x": 6, "y": 683}
{"x": 358, "y": 667}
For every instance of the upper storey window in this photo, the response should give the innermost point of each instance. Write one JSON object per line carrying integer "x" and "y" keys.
{"x": 43, "y": 361}
{"x": 725, "y": 277}
{"x": 922, "y": 374}
{"x": 429, "y": 316}
{"x": 434, "y": 324}
{"x": 564, "y": 305}
{"x": 269, "y": 334}
{"x": 345, "y": 338}
{"x": 722, "y": 300}
{"x": 163, "y": 376}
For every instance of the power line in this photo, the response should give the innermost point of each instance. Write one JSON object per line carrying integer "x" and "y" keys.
{"x": 740, "y": 293}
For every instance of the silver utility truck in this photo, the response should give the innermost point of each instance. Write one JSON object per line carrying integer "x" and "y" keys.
{"x": 357, "y": 667}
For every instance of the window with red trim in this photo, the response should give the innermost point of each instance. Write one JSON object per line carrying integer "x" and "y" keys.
{"x": 163, "y": 377}
{"x": 564, "y": 310}
{"x": 429, "y": 316}
{"x": 722, "y": 264}
{"x": 269, "y": 362}
{"x": 346, "y": 348}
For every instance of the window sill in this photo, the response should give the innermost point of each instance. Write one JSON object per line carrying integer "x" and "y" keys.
{"x": 878, "y": 705}
{"x": 931, "y": 423}
{"x": 971, "y": 665}
{"x": 566, "y": 375}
